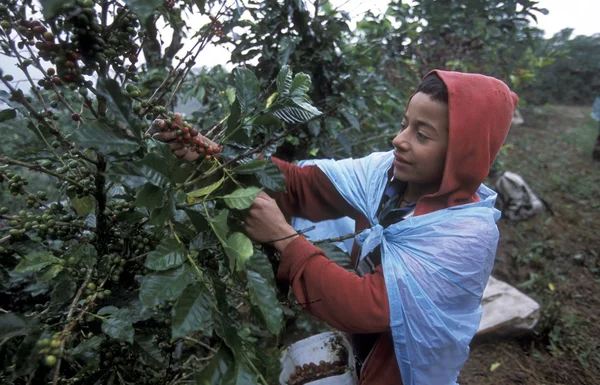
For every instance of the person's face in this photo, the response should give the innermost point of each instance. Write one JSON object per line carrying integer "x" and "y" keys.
{"x": 421, "y": 144}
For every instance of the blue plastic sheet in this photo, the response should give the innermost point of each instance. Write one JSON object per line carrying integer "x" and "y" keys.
{"x": 436, "y": 267}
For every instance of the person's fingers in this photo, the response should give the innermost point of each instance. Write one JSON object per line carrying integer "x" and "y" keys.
{"x": 191, "y": 156}
{"x": 176, "y": 146}
{"x": 165, "y": 136}
{"x": 181, "y": 152}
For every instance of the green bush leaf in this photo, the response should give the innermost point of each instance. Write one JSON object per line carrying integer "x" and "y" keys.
{"x": 336, "y": 255}
{"x": 271, "y": 178}
{"x": 284, "y": 81}
{"x": 239, "y": 249}
{"x": 242, "y": 198}
{"x": 193, "y": 197}
{"x": 35, "y": 262}
{"x": 265, "y": 298}
{"x": 151, "y": 354}
{"x": 300, "y": 85}
{"x": 296, "y": 114}
{"x": 49, "y": 273}
{"x": 87, "y": 349}
{"x": 119, "y": 329}
{"x": 106, "y": 137}
{"x": 168, "y": 254}
{"x": 260, "y": 263}
{"x": 251, "y": 167}
{"x": 247, "y": 89}
{"x": 150, "y": 197}
{"x": 84, "y": 205}
{"x": 7, "y": 114}
{"x": 217, "y": 368}
{"x": 83, "y": 253}
{"x": 165, "y": 286}
{"x": 52, "y": 7}
{"x": 27, "y": 357}
{"x": 192, "y": 312}
{"x": 143, "y": 8}
{"x": 119, "y": 105}
{"x": 219, "y": 225}
{"x": 12, "y": 325}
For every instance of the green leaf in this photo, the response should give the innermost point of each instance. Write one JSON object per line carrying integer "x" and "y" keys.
{"x": 232, "y": 132}
{"x": 200, "y": 4}
{"x": 150, "y": 197}
{"x": 240, "y": 375}
{"x": 143, "y": 8}
{"x": 106, "y": 137}
{"x": 151, "y": 354}
{"x": 87, "y": 349}
{"x": 272, "y": 178}
{"x": 296, "y": 114}
{"x": 242, "y": 198}
{"x": 192, "y": 197}
{"x": 50, "y": 273}
{"x": 167, "y": 255}
{"x": 251, "y": 167}
{"x": 118, "y": 328}
{"x": 265, "y": 298}
{"x": 119, "y": 105}
{"x": 160, "y": 216}
{"x": 165, "y": 286}
{"x": 300, "y": 86}
{"x": 83, "y": 253}
{"x": 247, "y": 89}
{"x": 336, "y": 255}
{"x": 35, "y": 262}
{"x": 219, "y": 225}
{"x": 239, "y": 249}
{"x": 284, "y": 81}
{"x": 192, "y": 312}
{"x": 27, "y": 356}
{"x": 204, "y": 240}
{"x": 52, "y": 7}
{"x": 217, "y": 368}
{"x": 197, "y": 218}
{"x": 12, "y": 325}
{"x": 7, "y": 114}
{"x": 62, "y": 293}
{"x": 84, "y": 205}
{"x": 260, "y": 263}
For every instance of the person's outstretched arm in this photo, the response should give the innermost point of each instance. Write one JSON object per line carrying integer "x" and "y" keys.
{"x": 342, "y": 299}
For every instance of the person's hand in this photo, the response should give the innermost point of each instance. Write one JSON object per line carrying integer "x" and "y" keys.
{"x": 265, "y": 222}
{"x": 179, "y": 149}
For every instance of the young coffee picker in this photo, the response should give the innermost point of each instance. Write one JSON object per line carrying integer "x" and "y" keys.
{"x": 428, "y": 237}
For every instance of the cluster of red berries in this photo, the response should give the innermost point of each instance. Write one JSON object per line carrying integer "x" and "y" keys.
{"x": 187, "y": 134}
{"x": 312, "y": 372}
{"x": 216, "y": 26}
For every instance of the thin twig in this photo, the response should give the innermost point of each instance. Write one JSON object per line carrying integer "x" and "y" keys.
{"x": 36, "y": 167}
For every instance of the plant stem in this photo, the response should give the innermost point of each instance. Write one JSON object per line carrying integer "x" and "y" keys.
{"x": 36, "y": 167}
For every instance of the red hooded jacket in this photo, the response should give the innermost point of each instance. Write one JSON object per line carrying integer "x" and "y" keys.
{"x": 481, "y": 110}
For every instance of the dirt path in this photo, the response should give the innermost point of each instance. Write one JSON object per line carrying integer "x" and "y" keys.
{"x": 553, "y": 258}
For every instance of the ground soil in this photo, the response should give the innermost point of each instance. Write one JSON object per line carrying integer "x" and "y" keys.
{"x": 554, "y": 258}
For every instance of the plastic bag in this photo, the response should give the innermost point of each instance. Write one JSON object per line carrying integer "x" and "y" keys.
{"x": 436, "y": 267}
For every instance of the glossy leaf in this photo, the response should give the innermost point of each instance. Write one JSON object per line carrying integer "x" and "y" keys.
{"x": 151, "y": 354}
{"x": 265, "y": 298}
{"x": 251, "y": 167}
{"x": 336, "y": 255}
{"x": 219, "y": 225}
{"x": 51, "y": 8}
{"x": 169, "y": 254}
{"x": 12, "y": 325}
{"x": 284, "y": 81}
{"x": 119, "y": 329}
{"x": 247, "y": 89}
{"x": 214, "y": 373}
{"x": 165, "y": 286}
{"x": 50, "y": 273}
{"x": 150, "y": 197}
{"x": 242, "y": 198}
{"x": 260, "y": 263}
{"x": 35, "y": 262}
{"x": 143, "y": 8}
{"x": 83, "y": 253}
{"x": 106, "y": 137}
{"x": 194, "y": 196}
{"x": 239, "y": 249}
{"x": 7, "y": 114}
{"x": 300, "y": 85}
{"x": 272, "y": 178}
{"x": 84, "y": 205}
{"x": 192, "y": 312}
{"x": 87, "y": 349}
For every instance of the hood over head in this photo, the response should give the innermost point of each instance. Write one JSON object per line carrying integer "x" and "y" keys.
{"x": 480, "y": 112}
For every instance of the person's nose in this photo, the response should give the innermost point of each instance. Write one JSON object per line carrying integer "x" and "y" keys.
{"x": 401, "y": 141}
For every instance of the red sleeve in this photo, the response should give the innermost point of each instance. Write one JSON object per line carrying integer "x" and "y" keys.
{"x": 310, "y": 194}
{"x": 344, "y": 300}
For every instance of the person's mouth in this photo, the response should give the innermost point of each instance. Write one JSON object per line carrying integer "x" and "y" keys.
{"x": 399, "y": 160}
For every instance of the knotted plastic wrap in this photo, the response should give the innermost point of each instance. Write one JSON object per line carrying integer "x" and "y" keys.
{"x": 435, "y": 265}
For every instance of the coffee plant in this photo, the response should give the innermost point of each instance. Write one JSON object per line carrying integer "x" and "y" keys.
{"x": 131, "y": 265}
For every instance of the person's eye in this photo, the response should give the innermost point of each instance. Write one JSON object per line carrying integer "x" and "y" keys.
{"x": 402, "y": 126}
{"x": 421, "y": 136}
